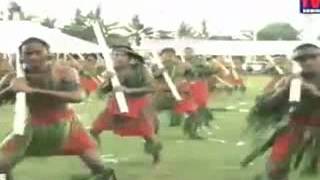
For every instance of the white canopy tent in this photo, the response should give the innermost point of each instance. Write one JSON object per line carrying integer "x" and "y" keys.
{"x": 236, "y": 48}
{"x": 12, "y": 33}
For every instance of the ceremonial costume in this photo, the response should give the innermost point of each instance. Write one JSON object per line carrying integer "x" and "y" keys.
{"x": 49, "y": 133}
{"x": 89, "y": 81}
{"x": 137, "y": 122}
{"x": 140, "y": 120}
{"x": 51, "y": 128}
{"x": 89, "y": 75}
{"x": 198, "y": 77}
{"x": 296, "y": 126}
{"x": 164, "y": 99}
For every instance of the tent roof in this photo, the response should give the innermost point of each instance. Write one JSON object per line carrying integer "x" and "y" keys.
{"x": 211, "y": 47}
{"x": 12, "y": 33}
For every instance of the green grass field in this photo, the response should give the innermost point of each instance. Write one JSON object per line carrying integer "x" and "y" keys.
{"x": 182, "y": 159}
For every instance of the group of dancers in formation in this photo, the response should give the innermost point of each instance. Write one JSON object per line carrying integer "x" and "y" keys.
{"x": 53, "y": 127}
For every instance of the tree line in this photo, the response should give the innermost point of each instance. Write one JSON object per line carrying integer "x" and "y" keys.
{"x": 136, "y": 30}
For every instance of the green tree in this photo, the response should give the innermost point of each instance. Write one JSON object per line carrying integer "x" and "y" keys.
{"x": 14, "y": 8}
{"x": 48, "y": 22}
{"x": 204, "y": 30}
{"x": 81, "y": 27}
{"x": 114, "y": 39}
{"x": 278, "y": 31}
{"x": 248, "y": 34}
{"x": 163, "y": 34}
{"x": 137, "y": 30}
{"x": 186, "y": 31}
{"x": 2, "y": 17}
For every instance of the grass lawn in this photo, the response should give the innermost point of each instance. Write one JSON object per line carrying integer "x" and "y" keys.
{"x": 183, "y": 159}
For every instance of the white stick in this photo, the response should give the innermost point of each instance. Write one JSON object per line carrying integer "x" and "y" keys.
{"x": 295, "y": 85}
{"x": 295, "y": 90}
{"x": 120, "y": 97}
{"x": 148, "y": 69}
{"x": 100, "y": 78}
{"x": 233, "y": 67}
{"x": 100, "y": 59}
{"x": 278, "y": 69}
{"x": 223, "y": 67}
{"x": 229, "y": 59}
{"x": 69, "y": 56}
{"x": 167, "y": 78}
{"x": 223, "y": 82}
{"x": 183, "y": 59}
{"x": 10, "y": 60}
{"x": 81, "y": 57}
{"x": 21, "y": 111}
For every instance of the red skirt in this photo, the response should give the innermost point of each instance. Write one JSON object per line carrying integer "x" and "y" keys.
{"x": 137, "y": 122}
{"x": 56, "y": 134}
{"x": 42, "y": 118}
{"x": 89, "y": 84}
{"x": 300, "y": 121}
{"x": 288, "y": 142}
{"x": 200, "y": 92}
{"x": 284, "y": 145}
{"x": 188, "y": 104}
{"x": 78, "y": 141}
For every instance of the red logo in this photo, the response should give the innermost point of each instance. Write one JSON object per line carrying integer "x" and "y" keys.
{"x": 310, "y": 6}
